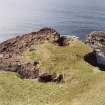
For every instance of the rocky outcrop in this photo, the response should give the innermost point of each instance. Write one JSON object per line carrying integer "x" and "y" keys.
{"x": 97, "y": 42}
{"x": 20, "y": 43}
{"x": 11, "y": 51}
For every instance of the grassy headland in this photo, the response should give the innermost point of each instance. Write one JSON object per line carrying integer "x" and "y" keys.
{"x": 84, "y": 84}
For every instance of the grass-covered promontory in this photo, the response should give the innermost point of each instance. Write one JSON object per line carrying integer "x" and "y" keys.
{"x": 84, "y": 84}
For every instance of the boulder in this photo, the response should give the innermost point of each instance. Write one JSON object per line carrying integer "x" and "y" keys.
{"x": 28, "y": 71}
{"x": 46, "y": 77}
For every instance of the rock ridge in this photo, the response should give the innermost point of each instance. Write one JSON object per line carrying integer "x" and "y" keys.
{"x": 11, "y": 51}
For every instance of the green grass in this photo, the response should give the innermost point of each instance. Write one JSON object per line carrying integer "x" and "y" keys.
{"x": 84, "y": 84}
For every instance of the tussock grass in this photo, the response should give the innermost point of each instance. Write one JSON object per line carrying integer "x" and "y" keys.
{"x": 83, "y": 84}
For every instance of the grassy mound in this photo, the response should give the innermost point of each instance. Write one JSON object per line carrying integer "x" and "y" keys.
{"x": 84, "y": 84}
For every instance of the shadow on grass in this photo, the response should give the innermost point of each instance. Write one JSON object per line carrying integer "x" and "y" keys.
{"x": 91, "y": 59}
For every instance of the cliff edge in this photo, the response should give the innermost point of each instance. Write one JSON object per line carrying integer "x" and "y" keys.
{"x": 97, "y": 41}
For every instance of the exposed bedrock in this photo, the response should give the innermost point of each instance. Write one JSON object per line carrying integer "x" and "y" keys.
{"x": 11, "y": 51}
{"x": 97, "y": 42}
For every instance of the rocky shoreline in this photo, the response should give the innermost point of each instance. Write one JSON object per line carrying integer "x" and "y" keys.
{"x": 11, "y": 52}
{"x": 97, "y": 41}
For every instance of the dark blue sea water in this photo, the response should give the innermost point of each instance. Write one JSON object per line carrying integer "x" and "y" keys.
{"x": 78, "y": 17}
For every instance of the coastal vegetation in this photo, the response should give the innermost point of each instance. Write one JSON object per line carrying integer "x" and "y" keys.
{"x": 83, "y": 84}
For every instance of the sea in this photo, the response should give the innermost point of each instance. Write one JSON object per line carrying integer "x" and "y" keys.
{"x": 68, "y": 17}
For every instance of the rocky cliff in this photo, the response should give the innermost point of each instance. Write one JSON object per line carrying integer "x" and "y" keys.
{"x": 12, "y": 49}
{"x": 97, "y": 42}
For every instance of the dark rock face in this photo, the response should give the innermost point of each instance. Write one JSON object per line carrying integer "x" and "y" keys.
{"x": 64, "y": 41}
{"x": 45, "y": 77}
{"x": 97, "y": 41}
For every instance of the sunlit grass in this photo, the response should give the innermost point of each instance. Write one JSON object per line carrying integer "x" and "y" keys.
{"x": 82, "y": 86}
